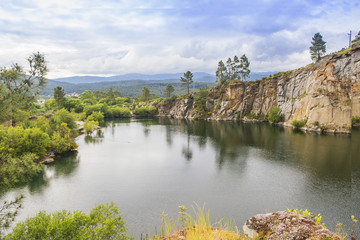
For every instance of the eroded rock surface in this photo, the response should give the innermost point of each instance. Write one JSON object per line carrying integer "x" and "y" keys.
{"x": 286, "y": 226}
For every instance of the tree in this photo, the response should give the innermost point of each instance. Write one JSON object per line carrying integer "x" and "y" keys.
{"x": 169, "y": 89}
{"x": 244, "y": 67}
{"x": 221, "y": 75}
{"x": 186, "y": 81}
{"x": 8, "y": 211}
{"x": 19, "y": 88}
{"x": 103, "y": 222}
{"x": 59, "y": 96}
{"x": 145, "y": 94}
{"x": 235, "y": 69}
{"x": 318, "y": 47}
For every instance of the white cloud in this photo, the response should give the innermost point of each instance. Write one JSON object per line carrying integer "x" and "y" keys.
{"x": 116, "y": 37}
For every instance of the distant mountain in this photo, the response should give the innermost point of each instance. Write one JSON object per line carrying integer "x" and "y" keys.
{"x": 206, "y": 77}
{"x": 198, "y": 77}
{"x": 132, "y": 84}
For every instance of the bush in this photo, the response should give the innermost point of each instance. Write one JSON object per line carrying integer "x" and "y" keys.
{"x": 145, "y": 112}
{"x": 119, "y": 112}
{"x": 18, "y": 141}
{"x": 103, "y": 222}
{"x": 90, "y": 126}
{"x": 355, "y": 120}
{"x": 275, "y": 115}
{"x": 256, "y": 116}
{"x": 200, "y": 99}
{"x": 96, "y": 116}
{"x": 64, "y": 116}
{"x": 16, "y": 170}
{"x": 298, "y": 123}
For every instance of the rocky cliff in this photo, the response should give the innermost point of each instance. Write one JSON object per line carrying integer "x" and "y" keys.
{"x": 324, "y": 95}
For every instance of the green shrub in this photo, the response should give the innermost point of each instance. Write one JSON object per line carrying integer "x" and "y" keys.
{"x": 355, "y": 120}
{"x": 256, "y": 116}
{"x": 96, "y": 116}
{"x": 103, "y": 222}
{"x": 144, "y": 112}
{"x": 275, "y": 115}
{"x": 90, "y": 126}
{"x": 64, "y": 116}
{"x": 119, "y": 112}
{"x": 298, "y": 123}
{"x": 17, "y": 170}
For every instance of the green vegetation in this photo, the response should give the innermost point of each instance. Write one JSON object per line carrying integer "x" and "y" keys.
{"x": 103, "y": 222}
{"x": 200, "y": 99}
{"x": 254, "y": 116}
{"x": 318, "y": 47}
{"x": 169, "y": 89}
{"x": 275, "y": 115}
{"x": 186, "y": 81}
{"x": 59, "y": 97}
{"x": 235, "y": 69}
{"x": 298, "y": 123}
{"x": 144, "y": 111}
{"x": 355, "y": 120}
{"x": 307, "y": 214}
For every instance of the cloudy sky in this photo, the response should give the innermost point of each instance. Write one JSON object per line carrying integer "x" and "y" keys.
{"x": 109, "y": 37}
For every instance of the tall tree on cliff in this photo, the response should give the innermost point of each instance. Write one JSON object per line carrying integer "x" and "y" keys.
{"x": 244, "y": 67}
{"x": 19, "y": 88}
{"x": 318, "y": 47}
{"x": 235, "y": 69}
{"x": 186, "y": 81}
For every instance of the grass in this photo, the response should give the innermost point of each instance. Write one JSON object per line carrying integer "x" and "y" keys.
{"x": 355, "y": 120}
{"x": 196, "y": 228}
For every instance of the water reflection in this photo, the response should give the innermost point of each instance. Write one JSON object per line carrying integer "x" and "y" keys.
{"x": 323, "y": 155}
{"x": 95, "y": 137}
{"x": 64, "y": 166}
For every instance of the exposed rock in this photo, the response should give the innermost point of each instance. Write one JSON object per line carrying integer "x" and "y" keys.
{"x": 286, "y": 225}
{"x": 49, "y": 158}
{"x": 325, "y": 94}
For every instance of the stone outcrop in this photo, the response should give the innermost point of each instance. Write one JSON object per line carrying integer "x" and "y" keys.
{"x": 286, "y": 225}
{"x": 325, "y": 95}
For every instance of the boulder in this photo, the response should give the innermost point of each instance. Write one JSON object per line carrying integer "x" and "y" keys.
{"x": 286, "y": 225}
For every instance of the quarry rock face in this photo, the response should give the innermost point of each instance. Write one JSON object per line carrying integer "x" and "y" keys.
{"x": 325, "y": 95}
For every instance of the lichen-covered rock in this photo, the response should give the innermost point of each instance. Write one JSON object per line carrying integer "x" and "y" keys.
{"x": 286, "y": 226}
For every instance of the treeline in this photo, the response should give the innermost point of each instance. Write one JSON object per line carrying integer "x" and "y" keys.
{"x": 127, "y": 88}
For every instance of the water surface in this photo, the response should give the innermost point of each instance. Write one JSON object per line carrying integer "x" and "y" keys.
{"x": 237, "y": 170}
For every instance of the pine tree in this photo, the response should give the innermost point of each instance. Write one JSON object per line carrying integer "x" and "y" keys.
{"x": 145, "y": 94}
{"x": 186, "y": 81}
{"x": 59, "y": 96}
{"x": 318, "y": 48}
{"x": 169, "y": 89}
{"x": 244, "y": 63}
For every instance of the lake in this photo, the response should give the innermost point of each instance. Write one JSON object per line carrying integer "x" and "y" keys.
{"x": 149, "y": 166}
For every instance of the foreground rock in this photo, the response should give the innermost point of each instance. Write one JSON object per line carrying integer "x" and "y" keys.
{"x": 285, "y": 225}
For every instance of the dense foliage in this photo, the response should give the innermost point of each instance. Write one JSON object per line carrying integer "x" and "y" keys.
{"x": 103, "y": 222}
{"x": 275, "y": 115}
